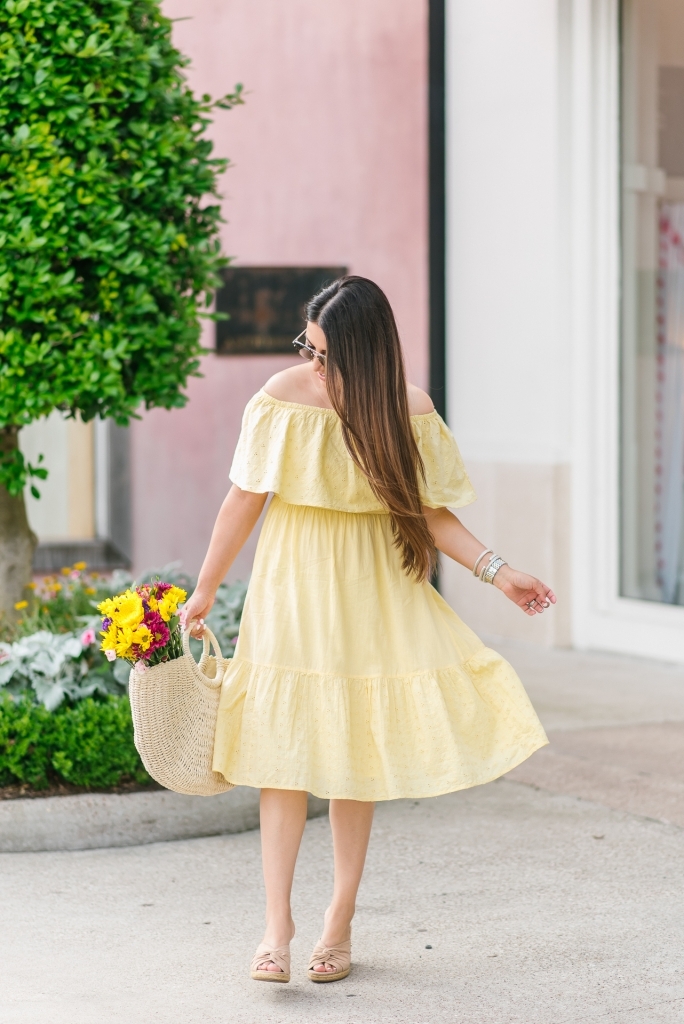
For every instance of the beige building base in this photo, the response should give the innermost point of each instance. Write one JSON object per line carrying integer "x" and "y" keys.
{"x": 523, "y": 513}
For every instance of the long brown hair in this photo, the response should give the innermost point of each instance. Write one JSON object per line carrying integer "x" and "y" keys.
{"x": 366, "y": 383}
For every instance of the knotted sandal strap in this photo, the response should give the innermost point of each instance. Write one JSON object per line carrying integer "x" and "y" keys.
{"x": 279, "y": 955}
{"x": 338, "y": 956}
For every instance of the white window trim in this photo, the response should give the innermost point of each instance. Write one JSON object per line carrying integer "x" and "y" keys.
{"x": 602, "y": 619}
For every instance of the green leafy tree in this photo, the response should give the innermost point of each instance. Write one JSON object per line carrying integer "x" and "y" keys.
{"x": 108, "y": 247}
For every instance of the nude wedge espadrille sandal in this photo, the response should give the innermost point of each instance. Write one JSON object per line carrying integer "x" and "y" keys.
{"x": 339, "y": 956}
{"x": 279, "y": 955}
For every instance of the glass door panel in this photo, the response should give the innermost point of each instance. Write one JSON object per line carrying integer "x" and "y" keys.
{"x": 652, "y": 365}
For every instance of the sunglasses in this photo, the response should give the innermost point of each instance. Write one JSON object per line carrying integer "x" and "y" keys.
{"x": 306, "y": 352}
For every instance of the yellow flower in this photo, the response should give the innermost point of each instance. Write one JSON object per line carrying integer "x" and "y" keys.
{"x": 80, "y": 566}
{"x": 168, "y": 605}
{"x": 21, "y": 604}
{"x": 125, "y": 609}
{"x": 127, "y": 637}
{"x": 90, "y": 590}
{"x": 107, "y": 608}
{"x": 56, "y": 586}
{"x": 129, "y": 610}
{"x": 121, "y": 640}
{"x": 110, "y": 638}
{"x": 166, "y": 608}
{"x": 31, "y": 586}
{"x": 65, "y": 570}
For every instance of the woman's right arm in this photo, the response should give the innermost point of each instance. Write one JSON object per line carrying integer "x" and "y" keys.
{"x": 234, "y": 523}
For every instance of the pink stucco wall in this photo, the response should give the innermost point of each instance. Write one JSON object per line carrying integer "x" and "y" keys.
{"x": 329, "y": 167}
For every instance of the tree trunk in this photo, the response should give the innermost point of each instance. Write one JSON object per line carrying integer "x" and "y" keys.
{"x": 17, "y": 540}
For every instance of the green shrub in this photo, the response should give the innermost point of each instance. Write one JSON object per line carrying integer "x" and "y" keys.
{"x": 88, "y": 744}
{"x": 108, "y": 246}
{"x": 109, "y": 228}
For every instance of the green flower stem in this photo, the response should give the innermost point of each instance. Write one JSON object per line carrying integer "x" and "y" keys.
{"x": 172, "y": 650}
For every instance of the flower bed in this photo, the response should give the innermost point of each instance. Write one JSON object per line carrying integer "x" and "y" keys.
{"x": 64, "y": 713}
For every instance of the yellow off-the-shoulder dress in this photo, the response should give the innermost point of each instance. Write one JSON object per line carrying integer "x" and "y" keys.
{"x": 349, "y": 679}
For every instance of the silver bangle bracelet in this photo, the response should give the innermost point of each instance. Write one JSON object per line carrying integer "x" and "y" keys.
{"x": 487, "y": 551}
{"x": 486, "y": 565}
{"x": 492, "y": 569}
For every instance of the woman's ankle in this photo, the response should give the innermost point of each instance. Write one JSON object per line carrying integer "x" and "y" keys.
{"x": 337, "y": 924}
{"x": 280, "y": 929}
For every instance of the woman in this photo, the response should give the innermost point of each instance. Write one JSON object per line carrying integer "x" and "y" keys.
{"x": 352, "y": 678}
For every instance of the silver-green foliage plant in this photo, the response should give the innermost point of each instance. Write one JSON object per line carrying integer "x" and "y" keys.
{"x": 64, "y": 711}
{"x": 50, "y": 668}
{"x": 108, "y": 247}
{"x": 55, "y": 666}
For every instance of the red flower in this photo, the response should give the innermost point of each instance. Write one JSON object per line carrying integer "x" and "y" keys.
{"x": 160, "y": 635}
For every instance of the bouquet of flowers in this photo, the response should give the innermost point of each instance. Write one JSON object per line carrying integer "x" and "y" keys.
{"x": 142, "y": 625}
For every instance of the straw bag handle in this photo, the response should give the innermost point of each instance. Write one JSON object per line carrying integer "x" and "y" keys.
{"x": 208, "y": 640}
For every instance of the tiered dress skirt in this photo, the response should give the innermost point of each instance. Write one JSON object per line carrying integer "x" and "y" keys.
{"x": 352, "y": 681}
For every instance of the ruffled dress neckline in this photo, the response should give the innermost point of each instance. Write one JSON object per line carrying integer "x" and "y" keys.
{"x": 323, "y": 408}
{"x": 297, "y": 452}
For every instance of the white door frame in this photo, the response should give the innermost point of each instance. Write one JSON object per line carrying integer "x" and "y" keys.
{"x": 590, "y": 124}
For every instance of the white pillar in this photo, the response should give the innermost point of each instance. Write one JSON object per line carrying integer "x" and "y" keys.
{"x": 508, "y": 363}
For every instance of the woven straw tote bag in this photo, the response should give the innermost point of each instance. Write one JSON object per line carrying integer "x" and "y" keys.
{"x": 174, "y": 707}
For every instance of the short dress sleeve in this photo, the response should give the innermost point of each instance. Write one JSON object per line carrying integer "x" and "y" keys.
{"x": 298, "y": 452}
{"x": 446, "y": 481}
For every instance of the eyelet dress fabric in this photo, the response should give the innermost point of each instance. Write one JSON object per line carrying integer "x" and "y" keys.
{"x": 350, "y": 680}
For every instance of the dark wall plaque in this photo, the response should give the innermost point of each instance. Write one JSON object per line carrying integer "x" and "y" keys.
{"x": 266, "y": 306}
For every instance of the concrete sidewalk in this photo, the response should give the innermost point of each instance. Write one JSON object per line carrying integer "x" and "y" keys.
{"x": 616, "y": 727}
{"x": 508, "y": 903}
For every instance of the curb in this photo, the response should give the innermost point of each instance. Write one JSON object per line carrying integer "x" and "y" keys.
{"x": 90, "y": 821}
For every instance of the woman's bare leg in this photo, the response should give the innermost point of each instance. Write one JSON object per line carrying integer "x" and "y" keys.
{"x": 351, "y": 822}
{"x": 283, "y": 816}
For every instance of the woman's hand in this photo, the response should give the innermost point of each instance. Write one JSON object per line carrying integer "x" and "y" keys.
{"x": 451, "y": 537}
{"x": 528, "y": 593}
{"x": 199, "y": 605}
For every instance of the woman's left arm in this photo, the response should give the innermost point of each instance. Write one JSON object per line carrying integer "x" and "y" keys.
{"x": 451, "y": 537}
